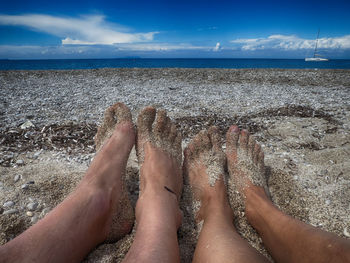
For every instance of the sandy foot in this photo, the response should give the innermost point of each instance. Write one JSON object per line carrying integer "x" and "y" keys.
{"x": 159, "y": 151}
{"x": 204, "y": 166}
{"x": 123, "y": 216}
{"x": 245, "y": 160}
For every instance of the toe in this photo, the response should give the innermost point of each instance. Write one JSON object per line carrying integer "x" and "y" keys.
{"x": 173, "y": 132}
{"x": 161, "y": 123}
{"x": 257, "y": 149}
{"x": 110, "y": 118}
{"x": 203, "y": 140}
{"x": 145, "y": 121}
{"x": 251, "y": 146}
{"x": 167, "y": 128}
{"x": 188, "y": 152}
{"x": 122, "y": 112}
{"x": 261, "y": 163}
{"x": 232, "y": 136}
{"x": 243, "y": 141}
{"x": 178, "y": 143}
{"x": 215, "y": 138}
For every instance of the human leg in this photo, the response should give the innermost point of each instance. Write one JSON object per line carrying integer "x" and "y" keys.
{"x": 287, "y": 239}
{"x": 218, "y": 240}
{"x": 157, "y": 211}
{"x": 84, "y": 218}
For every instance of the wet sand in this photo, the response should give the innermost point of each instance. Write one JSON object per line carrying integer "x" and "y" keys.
{"x": 300, "y": 117}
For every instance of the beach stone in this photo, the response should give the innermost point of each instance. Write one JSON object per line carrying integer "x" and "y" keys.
{"x": 24, "y": 186}
{"x": 328, "y": 202}
{"x": 32, "y": 206}
{"x": 27, "y": 125}
{"x": 44, "y": 212}
{"x": 8, "y": 204}
{"x": 17, "y": 177}
{"x": 11, "y": 211}
{"x": 36, "y": 155}
{"x": 19, "y": 162}
{"x": 29, "y": 213}
{"x": 34, "y": 219}
{"x": 346, "y": 232}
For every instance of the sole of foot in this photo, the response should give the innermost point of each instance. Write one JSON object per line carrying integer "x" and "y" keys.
{"x": 204, "y": 166}
{"x": 118, "y": 120}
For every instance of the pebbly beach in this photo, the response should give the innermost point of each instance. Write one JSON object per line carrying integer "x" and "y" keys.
{"x": 301, "y": 118}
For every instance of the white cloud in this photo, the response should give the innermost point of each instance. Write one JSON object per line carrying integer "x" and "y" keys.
{"x": 87, "y": 30}
{"x": 291, "y": 42}
{"x": 217, "y": 47}
{"x": 159, "y": 47}
{"x": 79, "y": 51}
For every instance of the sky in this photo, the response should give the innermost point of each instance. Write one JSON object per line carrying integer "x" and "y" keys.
{"x": 173, "y": 29}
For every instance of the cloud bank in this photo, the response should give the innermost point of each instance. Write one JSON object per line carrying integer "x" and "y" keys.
{"x": 86, "y": 30}
{"x": 291, "y": 42}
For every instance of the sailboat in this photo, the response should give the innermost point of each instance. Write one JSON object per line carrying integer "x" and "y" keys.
{"x": 316, "y": 56}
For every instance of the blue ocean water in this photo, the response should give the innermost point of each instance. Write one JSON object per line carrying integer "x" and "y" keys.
{"x": 170, "y": 63}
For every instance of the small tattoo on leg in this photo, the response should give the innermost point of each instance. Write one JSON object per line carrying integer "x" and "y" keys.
{"x": 168, "y": 189}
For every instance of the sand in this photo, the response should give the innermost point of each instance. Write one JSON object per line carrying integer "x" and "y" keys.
{"x": 301, "y": 118}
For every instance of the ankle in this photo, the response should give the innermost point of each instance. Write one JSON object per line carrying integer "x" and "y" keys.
{"x": 257, "y": 204}
{"x": 158, "y": 206}
{"x": 216, "y": 207}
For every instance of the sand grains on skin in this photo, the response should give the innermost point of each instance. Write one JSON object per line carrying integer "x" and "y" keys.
{"x": 123, "y": 215}
{"x": 156, "y": 131}
{"x": 245, "y": 160}
{"x": 204, "y": 167}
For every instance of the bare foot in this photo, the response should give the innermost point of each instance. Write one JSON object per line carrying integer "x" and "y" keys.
{"x": 204, "y": 166}
{"x": 114, "y": 141}
{"x": 158, "y": 215}
{"x": 159, "y": 153}
{"x": 245, "y": 161}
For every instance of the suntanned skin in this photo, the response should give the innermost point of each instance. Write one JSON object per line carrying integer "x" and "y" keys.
{"x": 287, "y": 239}
{"x": 218, "y": 240}
{"x": 158, "y": 215}
{"x": 83, "y": 220}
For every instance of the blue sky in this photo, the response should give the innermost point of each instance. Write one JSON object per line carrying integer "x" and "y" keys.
{"x": 167, "y": 29}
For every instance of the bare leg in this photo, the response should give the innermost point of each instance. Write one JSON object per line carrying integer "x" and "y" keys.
{"x": 84, "y": 218}
{"x": 287, "y": 239}
{"x": 157, "y": 211}
{"x": 218, "y": 240}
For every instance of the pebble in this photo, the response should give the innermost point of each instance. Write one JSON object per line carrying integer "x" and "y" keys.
{"x": 19, "y": 162}
{"x": 27, "y": 125}
{"x": 29, "y": 213}
{"x": 32, "y": 206}
{"x": 34, "y": 219}
{"x": 44, "y": 212}
{"x": 8, "y": 204}
{"x": 17, "y": 177}
{"x": 328, "y": 202}
{"x": 24, "y": 186}
{"x": 345, "y": 232}
{"x": 11, "y": 211}
{"x": 36, "y": 155}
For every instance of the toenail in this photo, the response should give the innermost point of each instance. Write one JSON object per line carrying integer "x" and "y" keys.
{"x": 234, "y": 129}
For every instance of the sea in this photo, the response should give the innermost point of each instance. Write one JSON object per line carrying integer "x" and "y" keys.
{"x": 68, "y": 64}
